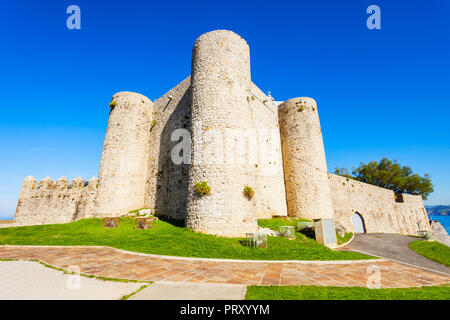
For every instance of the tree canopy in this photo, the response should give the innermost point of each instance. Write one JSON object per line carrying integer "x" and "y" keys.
{"x": 391, "y": 175}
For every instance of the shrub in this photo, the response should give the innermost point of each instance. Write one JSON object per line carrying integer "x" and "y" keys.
{"x": 153, "y": 124}
{"x": 249, "y": 192}
{"x": 202, "y": 188}
{"x": 112, "y": 104}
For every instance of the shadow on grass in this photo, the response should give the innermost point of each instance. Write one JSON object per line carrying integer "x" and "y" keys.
{"x": 309, "y": 232}
{"x": 176, "y": 223}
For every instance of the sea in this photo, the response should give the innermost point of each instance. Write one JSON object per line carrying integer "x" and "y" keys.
{"x": 444, "y": 220}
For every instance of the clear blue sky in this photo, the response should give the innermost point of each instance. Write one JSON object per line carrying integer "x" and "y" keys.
{"x": 380, "y": 93}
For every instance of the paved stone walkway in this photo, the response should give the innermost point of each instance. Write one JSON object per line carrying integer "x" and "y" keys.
{"x": 109, "y": 262}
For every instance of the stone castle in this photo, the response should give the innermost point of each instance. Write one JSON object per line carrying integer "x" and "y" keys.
{"x": 238, "y": 137}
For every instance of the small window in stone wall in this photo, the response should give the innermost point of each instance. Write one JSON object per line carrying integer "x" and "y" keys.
{"x": 399, "y": 197}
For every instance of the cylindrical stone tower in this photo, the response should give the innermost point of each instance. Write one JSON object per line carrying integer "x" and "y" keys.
{"x": 222, "y": 137}
{"x": 123, "y": 166}
{"x": 308, "y": 192}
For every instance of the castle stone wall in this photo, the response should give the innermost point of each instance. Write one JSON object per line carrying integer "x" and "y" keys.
{"x": 167, "y": 182}
{"x": 377, "y": 206}
{"x": 220, "y": 87}
{"x": 269, "y": 184}
{"x": 55, "y": 202}
{"x": 124, "y": 162}
{"x": 305, "y": 170}
{"x": 412, "y": 214}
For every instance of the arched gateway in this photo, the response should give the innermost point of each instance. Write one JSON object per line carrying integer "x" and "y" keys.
{"x": 358, "y": 223}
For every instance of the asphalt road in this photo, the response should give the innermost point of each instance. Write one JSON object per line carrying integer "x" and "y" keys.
{"x": 395, "y": 247}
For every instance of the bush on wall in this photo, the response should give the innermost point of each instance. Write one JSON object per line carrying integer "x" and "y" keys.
{"x": 249, "y": 192}
{"x": 202, "y": 188}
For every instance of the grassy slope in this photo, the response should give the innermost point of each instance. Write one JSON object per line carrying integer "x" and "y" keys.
{"x": 168, "y": 239}
{"x": 432, "y": 250}
{"x": 345, "y": 238}
{"x": 274, "y": 224}
{"x": 345, "y": 293}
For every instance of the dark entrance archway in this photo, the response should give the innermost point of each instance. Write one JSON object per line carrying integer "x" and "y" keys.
{"x": 358, "y": 223}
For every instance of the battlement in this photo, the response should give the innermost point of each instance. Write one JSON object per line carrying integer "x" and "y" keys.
{"x": 48, "y": 185}
{"x": 55, "y": 201}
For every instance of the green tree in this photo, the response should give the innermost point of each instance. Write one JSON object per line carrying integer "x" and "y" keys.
{"x": 343, "y": 172}
{"x": 391, "y": 175}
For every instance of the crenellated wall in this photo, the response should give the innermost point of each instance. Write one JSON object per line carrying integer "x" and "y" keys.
{"x": 377, "y": 206}
{"x": 55, "y": 201}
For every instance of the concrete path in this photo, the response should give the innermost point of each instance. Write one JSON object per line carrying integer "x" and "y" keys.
{"x": 110, "y": 262}
{"x": 27, "y": 280}
{"x": 166, "y": 290}
{"x": 393, "y": 246}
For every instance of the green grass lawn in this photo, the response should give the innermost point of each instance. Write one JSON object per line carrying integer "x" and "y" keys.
{"x": 432, "y": 250}
{"x": 275, "y": 223}
{"x": 345, "y": 238}
{"x": 345, "y": 293}
{"x": 171, "y": 239}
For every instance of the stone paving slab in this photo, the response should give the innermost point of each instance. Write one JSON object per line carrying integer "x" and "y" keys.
{"x": 169, "y": 290}
{"x": 110, "y": 262}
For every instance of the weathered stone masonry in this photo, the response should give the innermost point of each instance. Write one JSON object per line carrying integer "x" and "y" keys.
{"x": 305, "y": 170}
{"x": 288, "y": 172}
{"x": 55, "y": 202}
{"x": 125, "y": 153}
{"x": 378, "y": 207}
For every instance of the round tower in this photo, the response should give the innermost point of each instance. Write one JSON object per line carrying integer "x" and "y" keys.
{"x": 123, "y": 166}
{"x": 308, "y": 192}
{"x": 220, "y": 87}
